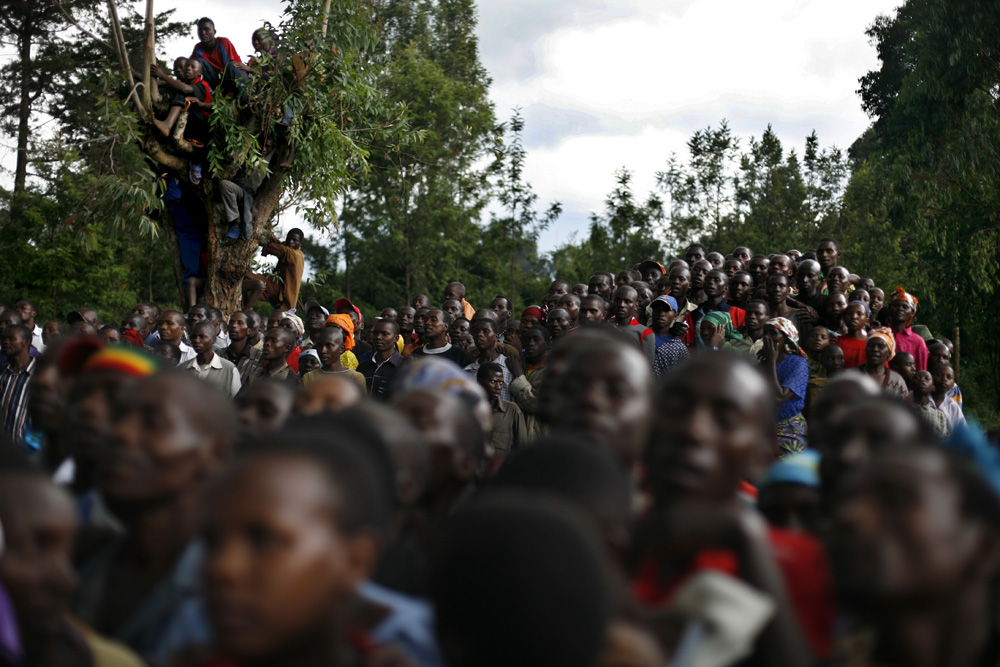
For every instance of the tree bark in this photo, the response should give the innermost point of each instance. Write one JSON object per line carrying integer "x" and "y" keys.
{"x": 24, "y": 40}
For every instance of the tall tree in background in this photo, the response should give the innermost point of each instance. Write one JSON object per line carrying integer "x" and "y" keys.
{"x": 933, "y": 144}
{"x": 413, "y": 221}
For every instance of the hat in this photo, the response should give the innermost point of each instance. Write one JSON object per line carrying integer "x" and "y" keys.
{"x": 308, "y": 305}
{"x": 669, "y": 300}
{"x": 342, "y": 303}
{"x": 75, "y": 316}
{"x": 534, "y": 311}
{"x": 345, "y": 323}
{"x": 127, "y": 360}
{"x": 651, "y": 264}
{"x": 798, "y": 468}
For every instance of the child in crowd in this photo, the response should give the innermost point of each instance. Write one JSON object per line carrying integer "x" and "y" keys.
{"x": 944, "y": 380}
{"x": 853, "y": 344}
{"x": 330, "y": 346}
{"x": 921, "y": 391}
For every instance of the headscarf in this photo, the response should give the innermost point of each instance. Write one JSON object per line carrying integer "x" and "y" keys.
{"x": 311, "y": 352}
{"x": 885, "y": 333}
{"x": 901, "y": 294}
{"x": 798, "y": 468}
{"x": 717, "y": 317}
{"x": 429, "y": 372}
{"x": 347, "y": 324}
{"x": 297, "y": 326}
{"x": 133, "y": 338}
{"x": 785, "y": 326}
{"x": 536, "y": 311}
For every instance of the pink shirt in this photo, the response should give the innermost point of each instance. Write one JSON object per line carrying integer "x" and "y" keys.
{"x": 907, "y": 341}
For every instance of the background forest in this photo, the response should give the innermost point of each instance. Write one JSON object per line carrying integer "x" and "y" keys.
{"x": 914, "y": 201}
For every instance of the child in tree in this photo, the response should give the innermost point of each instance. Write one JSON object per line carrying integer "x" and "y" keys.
{"x": 192, "y": 90}
{"x": 853, "y": 344}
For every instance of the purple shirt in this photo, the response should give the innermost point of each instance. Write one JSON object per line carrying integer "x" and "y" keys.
{"x": 907, "y": 341}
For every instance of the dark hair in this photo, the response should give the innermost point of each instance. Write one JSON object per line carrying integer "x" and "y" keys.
{"x": 113, "y": 327}
{"x": 205, "y": 19}
{"x": 174, "y": 350}
{"x": 696, "y": 245}
{"x": 295, "y": 230}
{"x": 541, "y": 331}
{"x": 829, "y": 239}
{"x": 528, "y": 565}
{"x": 202, "y": 325}
{"x": 761, "y": 302}
{"x": 25, "y": 333}
{"x": 352, "y": 456}
{"x": 487, "y": 369}
{"x": 388, "y": 320}
{"x": 510, "y": 306}
{"x": 494, "y": 327}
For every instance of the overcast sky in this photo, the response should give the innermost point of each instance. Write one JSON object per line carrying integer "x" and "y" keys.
{"x": 609, "y": 84}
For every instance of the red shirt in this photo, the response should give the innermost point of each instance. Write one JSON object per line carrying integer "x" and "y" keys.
{"x": 223, "y": 53}
{"x": 804, "y": 567}
{"x": 854, "y": 351}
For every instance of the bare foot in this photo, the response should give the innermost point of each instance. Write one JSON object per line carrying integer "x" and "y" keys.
{"x": 162, "y": 127}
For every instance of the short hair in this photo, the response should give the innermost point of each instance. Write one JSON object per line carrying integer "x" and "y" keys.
{"x": 388, "y": 320}
{"x": 589, "y": 297}
{"x": 214, "y": 313}
{"x": 173, "y": 350}
{"x": 760, "y": 302}
{"x": 741, "y": 272}
{"x": 829, "y": 239}
{"x": 112, "y": 327}
{"x": 487, "y": 369}
{"x": 696, "y": 245}
{"x": 541, "y": 331}
{"x": 203, "y": 325}
{"x": 295, "y": 230}
{"x": 31, "y": 304}
{"x": 527, "y": 564}
{"x": 205, "y": 19}
{"x": 351, "y": 455}
{"x": 491, "y": 323}
{"x": 510, "y": 306}
{"x": 287, "y": 335}
{"x": 23, "y": 331}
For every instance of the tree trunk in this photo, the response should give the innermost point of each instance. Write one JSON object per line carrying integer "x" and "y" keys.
{"x": 24, "y": 106}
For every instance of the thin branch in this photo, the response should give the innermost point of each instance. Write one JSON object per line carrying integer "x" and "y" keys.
{"x": 148, "y": 56}
{"x": 122, "y": 51}
{"x": 79, "y": 27}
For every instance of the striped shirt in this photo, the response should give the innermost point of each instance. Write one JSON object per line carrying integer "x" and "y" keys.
{"x": 14, "y": 398}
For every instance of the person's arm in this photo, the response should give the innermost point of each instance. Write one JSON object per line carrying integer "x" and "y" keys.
{"x": 648, "y": 344}
{"x": 768, "y": 364}
{"x": 171, "y": 82}
{"x": 520, "y": 388}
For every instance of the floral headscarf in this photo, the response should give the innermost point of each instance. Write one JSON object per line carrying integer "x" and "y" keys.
{"x": 885, "y": 333}
{"x": 344, "y": 322}
{"x": 297, "y": 326}
{"x": 901, "y": 294}
{"x": 785, "y": 326}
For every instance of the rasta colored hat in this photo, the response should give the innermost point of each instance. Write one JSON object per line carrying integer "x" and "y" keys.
{"x": 885, "y": 333}
{"x": 127, "y": 360}
{"x": 344, "y": 322}
{"x": 534, "y": 311}
{"x": 346, "y": 303}
{"x": 667, "y": 299}
{"x": 651, "y": 264}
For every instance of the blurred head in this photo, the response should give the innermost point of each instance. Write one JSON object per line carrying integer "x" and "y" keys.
{"x": 327, "y": 393}
{"x": 599, "y": 383}
{"x": 712, "y": 428}
{"x": 263, "y": 407}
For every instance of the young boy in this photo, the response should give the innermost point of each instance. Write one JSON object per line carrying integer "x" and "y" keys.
{"x": 831, "y": 361}
{"x": 217, "y": 57}
{"x": 757, "y": 314}
{"x": 670, "y": 350}
{"x": 278, "y": 344}
{"x": 815, "y": 341}
{"x": 330, "y": 346}
{"x": 240, "y": 352}
{"x": 944, "y": 380}
{"x": 904, "y": 364}
{"x": 209, "y": 366}
{"x": 921, "y": 388}
{"x": 939, "y": 352}
{"x": 510, "y": 430}
{"x": 284, "y": 294}
{"x": 485, "y": 335}
{"x": 192, "y": 90}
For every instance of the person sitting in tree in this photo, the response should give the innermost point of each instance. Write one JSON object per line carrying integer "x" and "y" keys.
{"x": 192, "y": 89}
{"x": 284, "y": 293}
{"x": 218, "y": 59}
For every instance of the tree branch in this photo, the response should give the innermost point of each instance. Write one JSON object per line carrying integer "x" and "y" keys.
{"x": 73, "y": 21}
{"x": 148, "y": 57}
{"x": 122, "y": 51}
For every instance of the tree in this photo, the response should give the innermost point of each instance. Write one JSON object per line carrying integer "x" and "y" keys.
{"x": 626, "y": 233}
{"x": 326, "y": 67}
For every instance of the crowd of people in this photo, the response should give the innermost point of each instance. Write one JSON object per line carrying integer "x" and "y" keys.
{"x": 728, "y": 460}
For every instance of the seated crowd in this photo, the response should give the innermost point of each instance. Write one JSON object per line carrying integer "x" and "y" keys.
{"x": 728, "y": 460}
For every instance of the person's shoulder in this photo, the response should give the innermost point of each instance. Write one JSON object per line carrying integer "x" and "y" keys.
{"x": 510, "y": 406}
{"x": 189, "y": 363}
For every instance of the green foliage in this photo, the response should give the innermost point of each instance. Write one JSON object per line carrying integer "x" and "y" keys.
{"x": 927, "y": 180}
{"x": 626, "y": 233}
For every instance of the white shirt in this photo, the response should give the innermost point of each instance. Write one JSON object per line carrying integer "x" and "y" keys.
{"x": 187, "y": 353}
{"x": 951, "y": 410}
{"x": 218, "y": 371}
{"x": 36, "y": 339}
